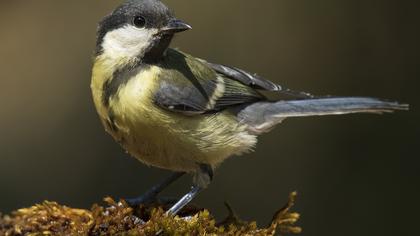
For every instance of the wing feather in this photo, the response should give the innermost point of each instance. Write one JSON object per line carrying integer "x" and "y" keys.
{"x": 189, "y": 86}
{"x": 255, "y": 81}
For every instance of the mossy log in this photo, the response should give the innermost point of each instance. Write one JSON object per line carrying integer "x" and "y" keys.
{"x": 117, "y": 218}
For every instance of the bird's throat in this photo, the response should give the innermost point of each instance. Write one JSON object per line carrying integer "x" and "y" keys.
{"x": 157, "y": 49}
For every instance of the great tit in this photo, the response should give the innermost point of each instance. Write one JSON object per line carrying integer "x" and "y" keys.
{"x": 174, "y": 111}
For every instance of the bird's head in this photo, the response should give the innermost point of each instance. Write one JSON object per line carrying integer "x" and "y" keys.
{"x": 138, "y": 29}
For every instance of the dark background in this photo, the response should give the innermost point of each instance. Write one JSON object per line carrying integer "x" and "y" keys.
{"x": 356, "y": 174}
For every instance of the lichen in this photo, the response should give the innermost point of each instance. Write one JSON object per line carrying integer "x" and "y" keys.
{"x": 117, "y": 218}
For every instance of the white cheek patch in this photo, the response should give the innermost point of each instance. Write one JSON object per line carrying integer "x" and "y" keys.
{"x": 127, "y": 42}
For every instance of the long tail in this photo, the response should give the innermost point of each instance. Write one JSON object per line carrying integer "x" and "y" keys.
{"x": 263, "y": 116}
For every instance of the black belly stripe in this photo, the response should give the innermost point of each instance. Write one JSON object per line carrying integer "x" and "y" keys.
{"x": 119, "y": 79}
{"x": 111, "y": 122}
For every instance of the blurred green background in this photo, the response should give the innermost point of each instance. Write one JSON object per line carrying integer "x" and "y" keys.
{"x": 356, "y": 174}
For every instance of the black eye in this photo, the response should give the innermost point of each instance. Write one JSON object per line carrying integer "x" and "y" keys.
{"x": 139, "y": 21}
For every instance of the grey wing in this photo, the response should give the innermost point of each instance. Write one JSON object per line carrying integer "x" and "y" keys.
{"x": 255, "y": 81}
{"x": 245, "y": 77}
{"x": 189, "y": 86}
{"x": 193, "y": 97}
{"x": 189, "y": 97}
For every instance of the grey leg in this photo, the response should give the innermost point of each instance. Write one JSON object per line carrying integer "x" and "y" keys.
{"x": 150, "y": 195}
{"x": 201, "y": 180}
{"x": 184, "y": 201}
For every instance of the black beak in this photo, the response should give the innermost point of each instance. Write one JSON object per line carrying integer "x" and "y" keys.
{"x": 175, "y": 26}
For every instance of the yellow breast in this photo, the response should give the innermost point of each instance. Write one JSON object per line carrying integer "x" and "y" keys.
{"x": 162, "y": 138}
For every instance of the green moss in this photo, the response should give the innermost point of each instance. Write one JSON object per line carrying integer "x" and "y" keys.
{"x": 50, "y": 218}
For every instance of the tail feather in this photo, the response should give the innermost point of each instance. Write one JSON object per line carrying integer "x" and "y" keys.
{"x": 263, "y": 116}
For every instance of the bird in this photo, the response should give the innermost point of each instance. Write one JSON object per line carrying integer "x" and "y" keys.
{"x": 174, "y": 111}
